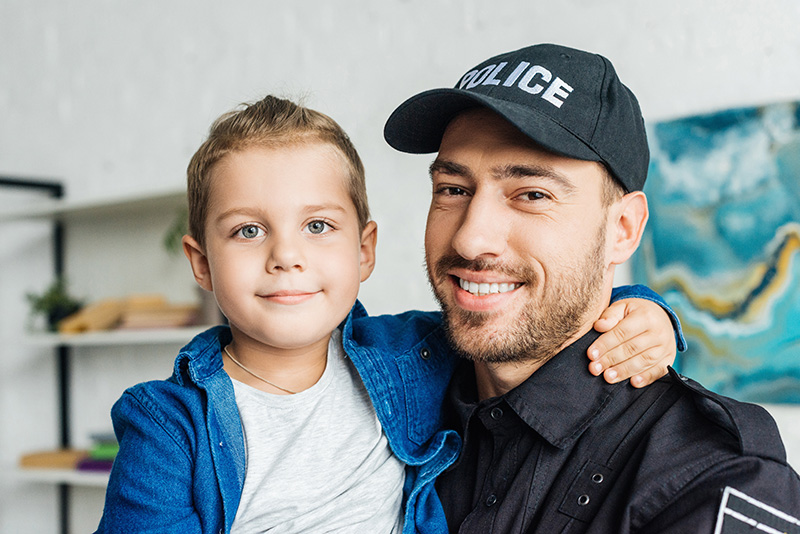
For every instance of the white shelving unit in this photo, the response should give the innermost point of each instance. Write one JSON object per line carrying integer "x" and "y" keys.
{"x": 151, "y": 336}
{"x": 64, "y": 476}
{"x": 80, "y": 216}
{"x": 69, "y": 210}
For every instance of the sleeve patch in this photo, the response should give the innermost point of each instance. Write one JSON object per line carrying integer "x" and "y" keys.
{"x": 741, "y": 514}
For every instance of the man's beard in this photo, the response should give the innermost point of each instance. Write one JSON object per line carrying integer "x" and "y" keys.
{"x": 541, "y": 328}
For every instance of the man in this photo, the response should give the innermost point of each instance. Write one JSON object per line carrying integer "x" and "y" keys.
{"x": 542, "y": 156}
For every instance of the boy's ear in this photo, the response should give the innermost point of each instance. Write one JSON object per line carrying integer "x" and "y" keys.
{"x": 630, "y": 218}
{"x": 199, "y": 262}
{"x": 369, "y": 240}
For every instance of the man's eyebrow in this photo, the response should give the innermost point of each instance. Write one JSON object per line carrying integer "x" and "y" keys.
{"x": 534, "y": 171}
{"x": 448, "y": 167}
{"x": 506, "y": 172}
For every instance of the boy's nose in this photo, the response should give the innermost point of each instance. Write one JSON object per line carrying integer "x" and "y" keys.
{"x": 286, "y": 254}
{"x": 483, "y": 230}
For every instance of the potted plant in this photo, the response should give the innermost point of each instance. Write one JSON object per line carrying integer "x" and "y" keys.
{"x": 54, "y": 304}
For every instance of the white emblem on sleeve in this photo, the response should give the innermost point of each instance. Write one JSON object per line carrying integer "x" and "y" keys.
{"x": 741, "y": 514}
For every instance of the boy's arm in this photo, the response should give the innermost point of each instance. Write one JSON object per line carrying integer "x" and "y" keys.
{"x": 640, "y": 336}
{"x": 150, "y": 487}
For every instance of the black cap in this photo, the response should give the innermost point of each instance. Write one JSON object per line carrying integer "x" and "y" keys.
{"x": 568, "y": 101}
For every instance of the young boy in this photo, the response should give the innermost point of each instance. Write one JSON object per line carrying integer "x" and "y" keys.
{"x": 267, "y": 424}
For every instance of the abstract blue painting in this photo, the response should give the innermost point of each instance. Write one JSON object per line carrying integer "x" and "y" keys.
{"x": 723, "y": 246}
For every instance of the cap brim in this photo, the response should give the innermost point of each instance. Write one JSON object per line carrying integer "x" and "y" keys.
{"x": 418, "y": 124}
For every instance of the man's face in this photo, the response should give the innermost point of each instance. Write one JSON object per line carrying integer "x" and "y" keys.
{"x": 515, "y": 242}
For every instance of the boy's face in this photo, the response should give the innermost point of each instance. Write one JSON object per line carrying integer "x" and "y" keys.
{"x": 284, "y": 255}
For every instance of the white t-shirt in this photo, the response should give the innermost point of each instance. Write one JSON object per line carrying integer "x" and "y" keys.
{"x": 318, "y": 461}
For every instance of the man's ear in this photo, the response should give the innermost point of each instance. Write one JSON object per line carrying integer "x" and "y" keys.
{"x": 369, "y": 240}
{"x": 199, "y": 262}
{"x": 630, "y": 215}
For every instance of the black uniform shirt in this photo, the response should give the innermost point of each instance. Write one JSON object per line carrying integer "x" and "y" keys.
{"x": 565, "y": 451}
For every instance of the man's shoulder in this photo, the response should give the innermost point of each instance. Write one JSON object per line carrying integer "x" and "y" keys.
{"x": 702, "y": 444}
{"x": 753, "y": 429}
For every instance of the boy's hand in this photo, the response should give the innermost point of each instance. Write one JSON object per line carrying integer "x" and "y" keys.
{"x": 638, "y": 342}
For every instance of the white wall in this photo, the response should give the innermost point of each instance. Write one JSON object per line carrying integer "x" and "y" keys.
{"x": 113, "y": 97}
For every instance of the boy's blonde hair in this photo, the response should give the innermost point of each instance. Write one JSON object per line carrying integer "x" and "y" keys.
{"x": 271, "y": 122}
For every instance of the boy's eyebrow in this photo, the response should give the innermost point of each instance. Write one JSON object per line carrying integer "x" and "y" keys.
{"x": 324, "y": 207}
{"x": 311, "y": 208}
{"x": 505, "y": 172}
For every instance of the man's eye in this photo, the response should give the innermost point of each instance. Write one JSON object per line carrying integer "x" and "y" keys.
{"x": 317, "y": 227}
{"x": 451, "y": 191}
{"x": 533, "y": 195}
{"x": 250, "y": 231}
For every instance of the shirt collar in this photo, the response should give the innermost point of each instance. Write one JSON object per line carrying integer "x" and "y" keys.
{"x": 562, "y": 398}
{"x": 559, "y": 401}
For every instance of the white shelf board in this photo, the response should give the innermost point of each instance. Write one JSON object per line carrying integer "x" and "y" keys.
{"x": 72, "y": 477}
{"x": 150, "y": 336}
{"x": 77, "y": 209}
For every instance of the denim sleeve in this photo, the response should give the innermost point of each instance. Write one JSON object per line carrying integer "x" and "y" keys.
{"x": 639, "y": 291}
{"x": 150, "y": 487}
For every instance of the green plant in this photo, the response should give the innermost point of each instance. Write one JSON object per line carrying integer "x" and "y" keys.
{"x": 177, "y": 229}
{"x": 55, "y": 303}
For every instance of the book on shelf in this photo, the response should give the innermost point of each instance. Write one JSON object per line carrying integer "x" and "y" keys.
{"x": 99, "y": 457}
{"x": 133, "y": 312}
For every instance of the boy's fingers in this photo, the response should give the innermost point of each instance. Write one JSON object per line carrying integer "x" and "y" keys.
{"x": 611, "y": 316}
{"x": 634, "y": 363}
{"x": 648, "y": 377}
{"x": 612, "y": 339}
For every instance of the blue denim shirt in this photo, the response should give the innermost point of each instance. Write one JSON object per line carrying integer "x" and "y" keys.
{"x": 181, "y": 463}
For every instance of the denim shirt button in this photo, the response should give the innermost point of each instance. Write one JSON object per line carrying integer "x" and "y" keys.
{"x": 491, "y": 500}
{"x": 496, "y": 413}
{"x": 221, "y": 444}
{"x": 425, "y": 353}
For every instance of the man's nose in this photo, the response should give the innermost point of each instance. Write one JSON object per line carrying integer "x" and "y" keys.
{"x": 286, "y": 252}
{"x": 484, "y": 228}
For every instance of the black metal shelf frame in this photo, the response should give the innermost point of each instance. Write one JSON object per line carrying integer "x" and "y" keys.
{"x": 55, "y": 190}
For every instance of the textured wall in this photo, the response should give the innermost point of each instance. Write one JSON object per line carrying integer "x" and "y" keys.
{"x": 113, "y": 98}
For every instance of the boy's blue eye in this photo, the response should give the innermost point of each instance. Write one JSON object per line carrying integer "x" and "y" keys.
{"x": 316, "y": 227}
{"x": 250, "y": 231}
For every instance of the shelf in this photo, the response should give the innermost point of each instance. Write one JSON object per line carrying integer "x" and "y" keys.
{"x": 72, "y": 477}
{"x": 79, "y": 209}
{"x": 152, "y": 336}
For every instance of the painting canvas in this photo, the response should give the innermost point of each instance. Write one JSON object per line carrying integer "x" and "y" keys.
{"x": 723, "y": 246}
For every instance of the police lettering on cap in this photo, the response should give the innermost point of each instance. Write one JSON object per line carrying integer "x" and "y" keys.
{"x": 568, "y": 101}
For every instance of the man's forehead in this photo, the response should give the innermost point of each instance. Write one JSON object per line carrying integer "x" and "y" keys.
{"x": 509, "y": 152}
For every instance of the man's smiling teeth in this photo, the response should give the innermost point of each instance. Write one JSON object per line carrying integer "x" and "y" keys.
{"x": 485, "y": 289}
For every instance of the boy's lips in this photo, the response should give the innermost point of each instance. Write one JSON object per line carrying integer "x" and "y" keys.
{"x": 289, "y": 296}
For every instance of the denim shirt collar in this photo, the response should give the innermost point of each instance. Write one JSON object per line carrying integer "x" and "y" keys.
{"x": 202, "y": 356}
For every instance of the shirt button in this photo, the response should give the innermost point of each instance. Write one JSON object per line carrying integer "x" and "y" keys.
{"x": 496, "y": 413}
{"x": 583, "y": 500}
{"x": 425, "y": 353}
{"x": 491, "y": 500}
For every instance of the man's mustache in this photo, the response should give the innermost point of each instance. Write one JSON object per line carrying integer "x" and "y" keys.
{"x": 517, "y": 273}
